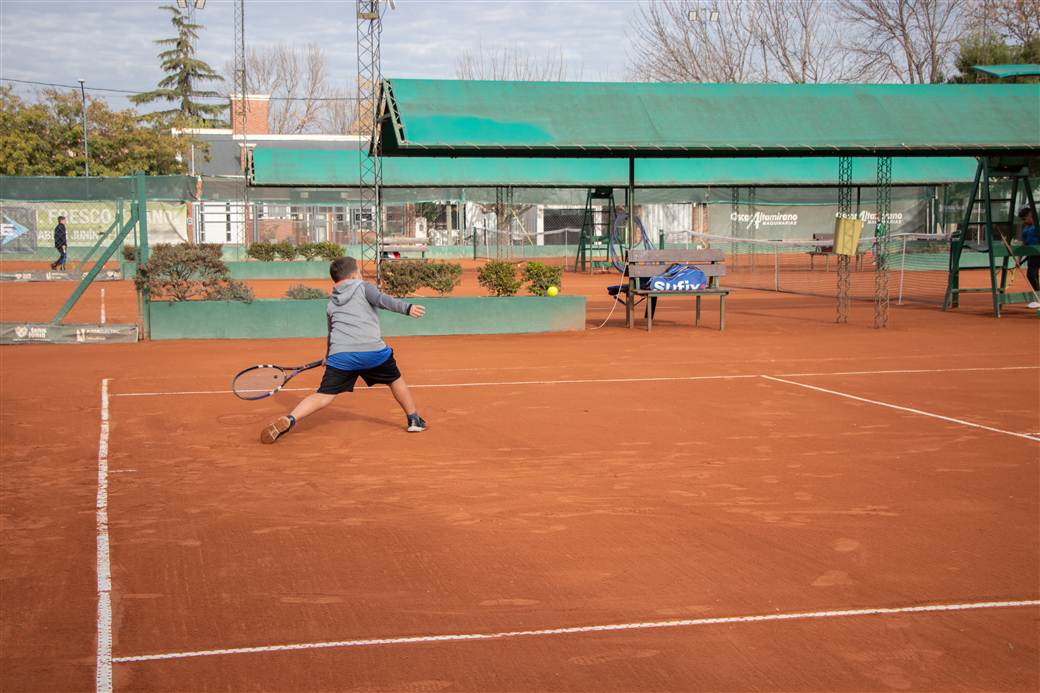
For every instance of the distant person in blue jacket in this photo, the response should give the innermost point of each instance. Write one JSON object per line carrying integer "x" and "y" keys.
{"x": 1030, "y": 236}
{"x": 61, "y": 244}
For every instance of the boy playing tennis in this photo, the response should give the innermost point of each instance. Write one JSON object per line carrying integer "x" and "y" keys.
{"x": 355, "y": 349}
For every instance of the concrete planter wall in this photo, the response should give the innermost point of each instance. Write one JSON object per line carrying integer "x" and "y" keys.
{"x": 281, "y": 318}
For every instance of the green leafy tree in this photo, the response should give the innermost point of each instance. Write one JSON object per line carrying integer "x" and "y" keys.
{"x": 991, "y": 49}
{"x": 45, "y": 138}
{"x": 184, "y": 74}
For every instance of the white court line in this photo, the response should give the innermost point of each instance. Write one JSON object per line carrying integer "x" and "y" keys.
{"x": 962, "y": 422}
{"x": 104, "y": 564}
{"x": 600, "y": 380}
{"x": 646, "y": 625}
{"x": 913, "y": 370}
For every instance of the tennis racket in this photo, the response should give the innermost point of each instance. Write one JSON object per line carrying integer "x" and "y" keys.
{"x": 258, "y": 382}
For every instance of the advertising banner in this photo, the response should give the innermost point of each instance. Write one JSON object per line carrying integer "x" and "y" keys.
{"x": 29, "y": 226}
{"x": 45, "y": 333}
{"x": 17, "y": 229}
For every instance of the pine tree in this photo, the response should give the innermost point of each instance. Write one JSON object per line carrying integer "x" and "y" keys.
{"x": 184, "y": 72}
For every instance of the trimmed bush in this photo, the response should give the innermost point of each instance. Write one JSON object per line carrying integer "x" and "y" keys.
{"x": 233, "y": 290}
{"x": 285, "y": 250}
{"x": 309, "y": 251}
{"x": 442, "y": 277}
{"x": 181, "y": 272}
{"x": 541, "y": 276}
{"x": 262, "y": 251}
{"x": 499, "y": 278}
{"x": 327, "y": 250}
{"x": 402, "y": 277}
{"x": 301, "y": 292}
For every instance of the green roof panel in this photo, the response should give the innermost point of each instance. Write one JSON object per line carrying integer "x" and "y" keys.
{"x": 1005, "y": 71}
{"x": 613, "y": 119}
{"x": 317, "y": 168}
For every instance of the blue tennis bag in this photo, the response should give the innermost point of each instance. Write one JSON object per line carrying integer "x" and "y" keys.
{"x": 679, "y": 277}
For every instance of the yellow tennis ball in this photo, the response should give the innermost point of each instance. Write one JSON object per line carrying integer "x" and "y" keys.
{"x": 552, "y": 291}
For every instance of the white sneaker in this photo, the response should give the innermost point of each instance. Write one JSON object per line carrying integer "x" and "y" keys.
{"x": 1035, "y": 305}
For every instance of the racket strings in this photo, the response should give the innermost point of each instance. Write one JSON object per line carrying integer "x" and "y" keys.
{"x": 259, "y": 381}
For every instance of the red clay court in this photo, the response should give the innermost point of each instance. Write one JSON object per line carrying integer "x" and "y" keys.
{"x": 789, "y": 505}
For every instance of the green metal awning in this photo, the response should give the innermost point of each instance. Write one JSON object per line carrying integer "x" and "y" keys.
{"x": 318, "y": 168}
{"x": 1005, "y": 71}
{"x": 609, "y": 119}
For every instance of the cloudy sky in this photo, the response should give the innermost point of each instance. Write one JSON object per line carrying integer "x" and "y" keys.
{"x": 108, "y": 43}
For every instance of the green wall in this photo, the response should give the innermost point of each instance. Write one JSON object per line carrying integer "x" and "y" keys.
{"x": 280, "y": 318}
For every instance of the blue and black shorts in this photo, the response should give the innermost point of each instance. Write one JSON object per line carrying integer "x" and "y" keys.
{"x": 336, "y": 380}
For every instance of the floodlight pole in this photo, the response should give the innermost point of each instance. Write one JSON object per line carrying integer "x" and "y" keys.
{"x": 86, "y": 144}
{"x": 369, "y": 77}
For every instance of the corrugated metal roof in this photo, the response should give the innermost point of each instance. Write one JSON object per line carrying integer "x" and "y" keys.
{"x": 1005, "y": 71}
{"x": 582, "y": 119}
{"x": 341, "y": 169}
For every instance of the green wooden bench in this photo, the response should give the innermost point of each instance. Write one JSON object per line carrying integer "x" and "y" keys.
{"x": 647, "y": 263}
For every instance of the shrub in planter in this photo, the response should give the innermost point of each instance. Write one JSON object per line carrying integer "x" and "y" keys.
{"x": 327, "y": 250}
{"x": 285, "y": 250}
{"x": 214, "y": 249}
{"x": 301, "y": 292}
{"x": 541, "y": 276}
{"x": 309, "y": 251}
{"x": 499, "y": 278}
{"x": 262, "y": 251}
{"x": 442, "y": 277}
{"x": 181, "y": 272}
{"x": 402, "y": 277}
{"x": 232, "y": 290}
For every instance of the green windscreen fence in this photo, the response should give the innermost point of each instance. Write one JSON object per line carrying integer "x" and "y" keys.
{"x": 774, "y": 236}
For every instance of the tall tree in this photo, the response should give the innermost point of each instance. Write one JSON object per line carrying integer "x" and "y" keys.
{"x": 184, "y": 74}
{"x": 45, "y": 138}
{"x": 990, "y": 49}
{"x": 799, "y": 42}
{"x": 909, "y": 41}
{"x": 512, "y": 63}
{"x": 1015, "y": 20}
{"x": 690, "y": 41}
{"x": 297, "y": 80}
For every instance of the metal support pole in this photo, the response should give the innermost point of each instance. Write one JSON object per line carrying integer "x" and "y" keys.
{"x": 630, "y": 219}
{"x": 844, "y": 212}
{"x": 97, "y": 244}
{"x": 881, "y": 238}
{"x": 141, "y": 217}
{"x": 86, "y": 137}
{"x": 89, "y": 277}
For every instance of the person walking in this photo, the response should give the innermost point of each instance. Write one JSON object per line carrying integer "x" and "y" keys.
{"x": 61, "y": 244}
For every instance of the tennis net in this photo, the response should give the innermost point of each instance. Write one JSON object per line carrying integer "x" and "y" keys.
{"x": 918, "y": 264}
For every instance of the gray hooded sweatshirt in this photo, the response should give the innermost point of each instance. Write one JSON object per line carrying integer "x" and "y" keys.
{"x": 354, "y": 317}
